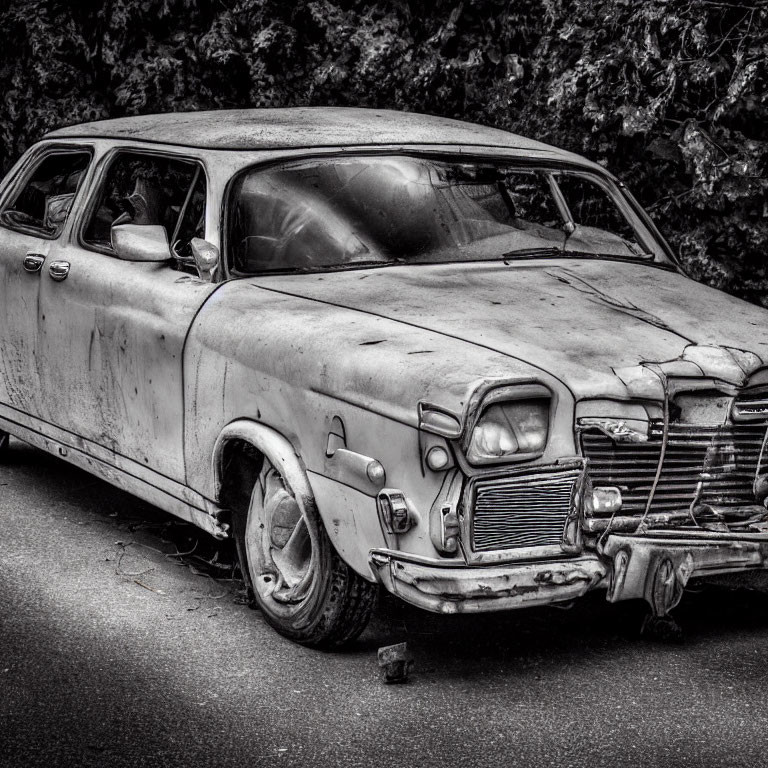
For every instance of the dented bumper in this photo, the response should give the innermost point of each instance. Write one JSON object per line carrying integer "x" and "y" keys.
{"x": 656, "y": 566}
{"x": 457, "y": 588}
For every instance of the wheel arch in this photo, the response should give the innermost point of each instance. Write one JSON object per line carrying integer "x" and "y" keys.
{"x": 245, "y": 442}
{"x": 237, "y": 457}
{"x": 339, "y": 605}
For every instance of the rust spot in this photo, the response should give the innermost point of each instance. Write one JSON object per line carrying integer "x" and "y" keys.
{"x": 554, "y": 579}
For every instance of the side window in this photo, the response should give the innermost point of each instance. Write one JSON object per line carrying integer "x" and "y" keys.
{"x": 191, "y": 221}
{"x": 43, "y": 202}
{"x": 591, "y": 206}
{"x": 148, "y": 189}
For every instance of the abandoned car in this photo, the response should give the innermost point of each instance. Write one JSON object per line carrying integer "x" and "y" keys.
{"x": 383, "y": 349}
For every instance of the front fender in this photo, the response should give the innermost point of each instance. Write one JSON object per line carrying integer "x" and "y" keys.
{"x": 349, "y": 516}
{"x": 271, "y": 444}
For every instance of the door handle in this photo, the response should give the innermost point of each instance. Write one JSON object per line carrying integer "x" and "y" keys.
{"x": 33, "y": 262}
{"x": 59, "y": 270}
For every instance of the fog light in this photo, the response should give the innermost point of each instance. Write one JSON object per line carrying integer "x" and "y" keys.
{"x": 438, "y": 458}
{"x": 606, "y": 500}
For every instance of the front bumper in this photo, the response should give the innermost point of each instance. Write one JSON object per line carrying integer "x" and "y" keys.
{"x": 657, "y": 565}
{"x": 443, "y": 587}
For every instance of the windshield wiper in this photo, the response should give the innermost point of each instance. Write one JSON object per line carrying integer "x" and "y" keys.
{"x": 361, "y": 263}
{"x": 532, "y": 253}
{"x": 557, "y": 253}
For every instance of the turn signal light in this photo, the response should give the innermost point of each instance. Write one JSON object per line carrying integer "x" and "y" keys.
{"x": 438, "y": 458}
{"x": 451, "y": 529}
{"x": 395, "y": 515}
{"x": 376, "y": 472}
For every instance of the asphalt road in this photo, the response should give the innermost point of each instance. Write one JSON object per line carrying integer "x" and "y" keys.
{"x": 115, "y": 651}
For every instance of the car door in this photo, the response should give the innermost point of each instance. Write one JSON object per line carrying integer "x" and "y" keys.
{"x": 113, "y": 331}
{"x": 33, "y": 212}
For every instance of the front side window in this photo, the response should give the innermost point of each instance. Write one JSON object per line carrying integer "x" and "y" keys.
{"x": 45, "y": 197}
{"x": 592, "y": 208}
{"x": 147, "y": 189}
{"x": 345, "y": 212}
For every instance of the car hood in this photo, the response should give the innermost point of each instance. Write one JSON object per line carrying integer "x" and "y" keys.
{"x": 593, "y": 325}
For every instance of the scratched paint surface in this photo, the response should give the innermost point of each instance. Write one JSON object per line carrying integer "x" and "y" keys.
{"x": 112, "y": 337}
{"x": 577, "y": 320}
{"x": 387, "y": 338}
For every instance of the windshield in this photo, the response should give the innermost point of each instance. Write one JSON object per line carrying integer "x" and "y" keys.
{"x": 344, "y": 212}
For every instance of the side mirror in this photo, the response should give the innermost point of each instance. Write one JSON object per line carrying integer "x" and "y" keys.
{"x": 206, "y": 256}
{"x": 141, "y": 242}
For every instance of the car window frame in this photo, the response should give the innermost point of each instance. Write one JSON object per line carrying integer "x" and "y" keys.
{"x": 23, "y": 176}
{"x": 617, "y": 197}
{"x": 620, "y": 196}
{"x": 103, "y": 166}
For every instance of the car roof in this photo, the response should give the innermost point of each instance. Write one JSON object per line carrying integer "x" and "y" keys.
{"x": 303, "y": 127}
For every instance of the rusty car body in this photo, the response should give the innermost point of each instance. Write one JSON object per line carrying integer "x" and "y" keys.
{"x": 383, "y": 349}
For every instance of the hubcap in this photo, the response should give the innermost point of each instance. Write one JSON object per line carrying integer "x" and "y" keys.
{"x": 279, "y": 543}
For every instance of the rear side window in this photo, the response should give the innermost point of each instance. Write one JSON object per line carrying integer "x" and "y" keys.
{"x": 43, "y": 202}
{"x": 148, "y": 189}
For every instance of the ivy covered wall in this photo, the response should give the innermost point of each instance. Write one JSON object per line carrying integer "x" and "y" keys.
{"x": 671, "y": 95}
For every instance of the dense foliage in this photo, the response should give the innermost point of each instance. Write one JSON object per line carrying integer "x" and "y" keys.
{"x": 670, "y": 95}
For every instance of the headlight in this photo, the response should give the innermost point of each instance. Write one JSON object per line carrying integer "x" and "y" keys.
{"x": 505, "y": 429}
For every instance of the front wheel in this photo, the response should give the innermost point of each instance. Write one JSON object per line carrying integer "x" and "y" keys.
{"x": 303, "y": 588}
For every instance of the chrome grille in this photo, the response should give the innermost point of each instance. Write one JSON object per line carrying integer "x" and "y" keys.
{"x": 724, "y": 458}
{"x": 751, "y": 405}
{"x": 528, "y": 510}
